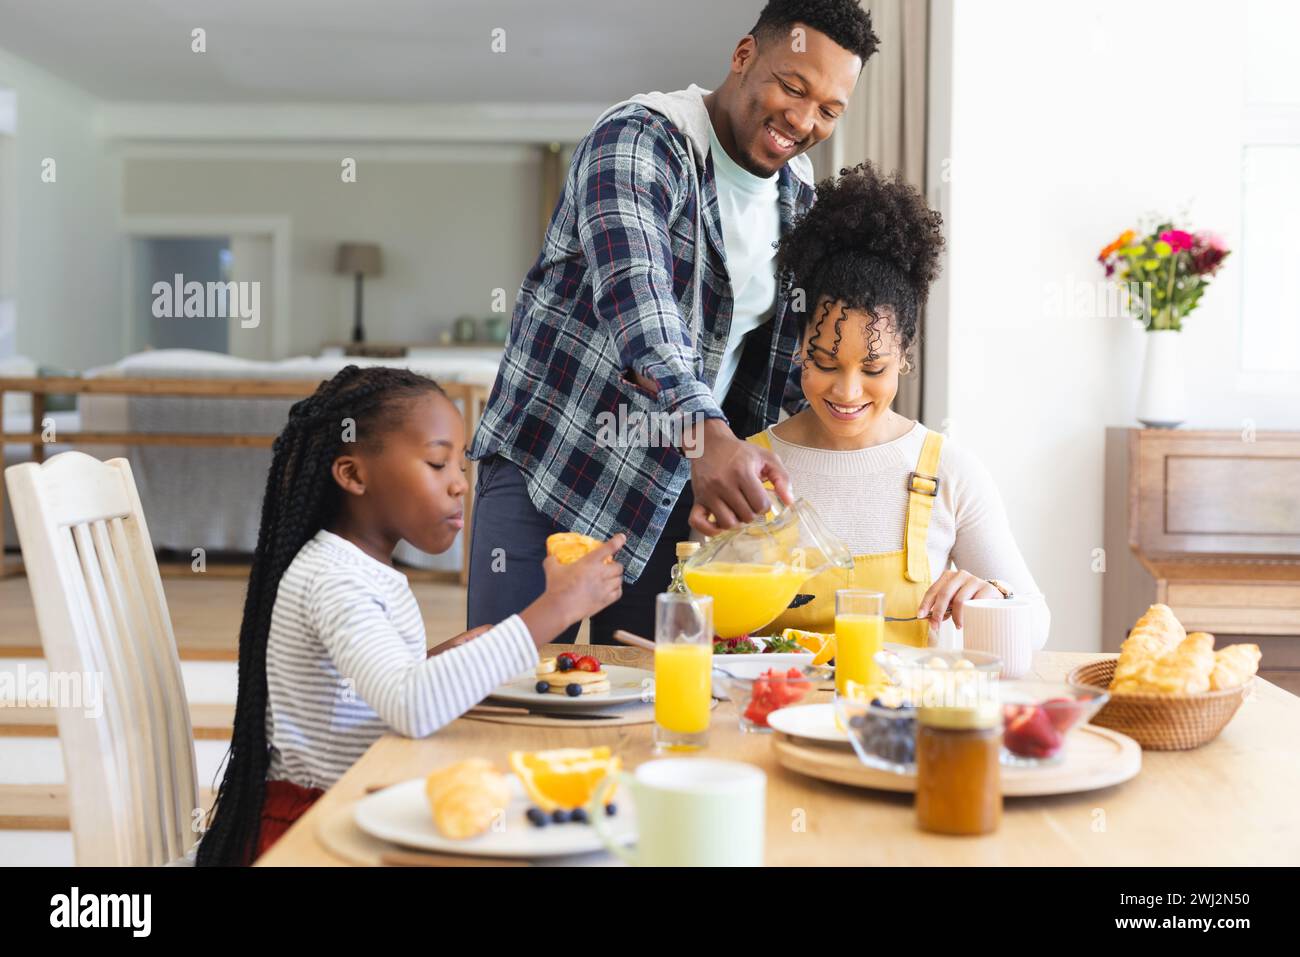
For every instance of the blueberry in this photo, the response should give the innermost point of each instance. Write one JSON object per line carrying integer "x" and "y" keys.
{"x": 611, "y": 810}
{"x": 573, "y": 690}
{"x": 563, "y": 664}
{"x": 543, "y": 687}
{"x": 579, "y": 815}
{"x": 560, "y": 816}
{"x": 537, "y": 817}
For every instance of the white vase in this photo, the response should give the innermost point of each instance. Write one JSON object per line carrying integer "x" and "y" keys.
{"x": 1162, "y": 402}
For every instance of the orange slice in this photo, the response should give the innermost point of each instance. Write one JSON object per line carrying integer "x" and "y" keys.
{"x": 564, "y": 777}
{"x": 821, "y": 645}
{"x": 568, "y": 547}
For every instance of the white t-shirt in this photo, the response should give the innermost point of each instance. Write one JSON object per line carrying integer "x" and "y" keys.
{"x": 751, "y": 225}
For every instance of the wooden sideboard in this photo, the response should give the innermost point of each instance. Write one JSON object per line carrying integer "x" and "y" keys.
{"x": 1207, "y": 522}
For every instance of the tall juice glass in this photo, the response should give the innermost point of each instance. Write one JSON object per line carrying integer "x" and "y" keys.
{"x": 683, "y": 670}
{"x": 859, "y": 634}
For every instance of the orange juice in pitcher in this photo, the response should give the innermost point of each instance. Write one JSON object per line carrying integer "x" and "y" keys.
{"x": 753, "y": 571}
{"x": 746, "y": 596}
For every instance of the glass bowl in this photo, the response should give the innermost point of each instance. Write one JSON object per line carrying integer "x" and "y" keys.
{"x": 757, "y": 689}
{"x": 932, "y": 677}
{"x": 881, "y": 730}
{"x": 1038, "y": 715}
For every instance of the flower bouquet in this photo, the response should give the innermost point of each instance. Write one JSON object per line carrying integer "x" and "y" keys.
{"x": 1164, "y": 274}
{"x": 1168, "y": 269}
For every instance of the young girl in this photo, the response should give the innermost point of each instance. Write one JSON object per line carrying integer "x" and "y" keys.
{"x": 921, "y": 515}
{"x": 332, "y": 649}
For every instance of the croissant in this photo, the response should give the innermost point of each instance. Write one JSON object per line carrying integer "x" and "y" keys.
{"x": 1234, "y": 666}
{"x": 466, "y": 797}
{"x": 1156, "y": 634}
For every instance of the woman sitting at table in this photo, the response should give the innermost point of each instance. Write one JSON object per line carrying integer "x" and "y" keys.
{"x": 920, "y": 514}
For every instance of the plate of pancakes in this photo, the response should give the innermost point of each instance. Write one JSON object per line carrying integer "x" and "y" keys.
{"x": 551, "y": 687}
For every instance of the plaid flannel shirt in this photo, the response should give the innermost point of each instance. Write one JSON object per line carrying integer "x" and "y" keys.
{"x": 611, "y": 291}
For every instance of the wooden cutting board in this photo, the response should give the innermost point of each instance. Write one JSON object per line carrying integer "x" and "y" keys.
{"x": 1094, "y": 758}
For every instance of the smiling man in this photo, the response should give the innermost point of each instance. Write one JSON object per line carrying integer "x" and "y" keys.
{"x": 655, "y": 297}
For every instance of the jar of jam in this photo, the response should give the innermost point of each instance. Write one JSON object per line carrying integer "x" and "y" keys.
{"x": 958, "y": 776}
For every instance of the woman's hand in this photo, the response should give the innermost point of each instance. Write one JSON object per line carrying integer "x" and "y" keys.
{"x": 462, "y": 638}
{"x": 947, "y": 596}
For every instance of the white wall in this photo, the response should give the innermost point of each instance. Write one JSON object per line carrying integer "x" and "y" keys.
{"x": 452, "y": 229}
{"x": 1063, "y": 133}
{"x": 66, "y": 264}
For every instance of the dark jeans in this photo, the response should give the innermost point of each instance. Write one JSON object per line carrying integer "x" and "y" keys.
{"x": 508, "y": 545}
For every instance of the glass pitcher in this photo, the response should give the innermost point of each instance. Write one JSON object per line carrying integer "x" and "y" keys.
{"x": 753, "y": 571}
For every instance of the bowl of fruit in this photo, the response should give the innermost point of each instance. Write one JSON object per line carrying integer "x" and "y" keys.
{"x": 757, "y": 688}
{"x": 1037, "y": 716}
{"x": 882, "y": 729}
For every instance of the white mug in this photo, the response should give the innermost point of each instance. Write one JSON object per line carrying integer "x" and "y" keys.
{"x": 690, "y": 812}
{"x": 1006, "y": 627}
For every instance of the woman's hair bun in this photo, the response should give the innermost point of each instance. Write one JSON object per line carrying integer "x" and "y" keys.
{"x": 867, "y": 215}
{"x": 868, "y": 241}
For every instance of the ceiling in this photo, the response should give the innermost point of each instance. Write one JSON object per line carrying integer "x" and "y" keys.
{"x": 333, "y": 51}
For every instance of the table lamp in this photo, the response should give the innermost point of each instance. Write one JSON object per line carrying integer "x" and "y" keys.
{"x": 359, "y": 260}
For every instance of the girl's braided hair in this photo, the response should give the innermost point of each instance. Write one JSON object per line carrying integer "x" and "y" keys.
{"x": 301, "y": 498}
{"x": 868, "y": 241}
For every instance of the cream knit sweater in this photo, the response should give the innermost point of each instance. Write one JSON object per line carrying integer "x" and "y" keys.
{"x": 862, "y": 496}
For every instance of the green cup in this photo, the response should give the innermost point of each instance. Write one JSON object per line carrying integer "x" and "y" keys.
{"x": 690, "y": 812}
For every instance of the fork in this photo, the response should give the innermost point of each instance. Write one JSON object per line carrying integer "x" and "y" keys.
{"x": 801, "y": 600}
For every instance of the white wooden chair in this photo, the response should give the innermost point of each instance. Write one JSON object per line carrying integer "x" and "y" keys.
{"x": 130, "y": 771}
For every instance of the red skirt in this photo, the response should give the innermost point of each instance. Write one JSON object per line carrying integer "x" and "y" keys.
{"x": 284, "y": 803}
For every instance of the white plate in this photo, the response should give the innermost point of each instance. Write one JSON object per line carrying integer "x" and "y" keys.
{"x": 783, "y": 659}
{"x": 626, "y": 685}
{"x": 811, "y": 722}
{"x": 401, "y": 814}
{"x": 780, "y": 660}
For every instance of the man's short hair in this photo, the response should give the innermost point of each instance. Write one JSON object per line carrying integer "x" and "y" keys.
{"x": 844, "y": 21}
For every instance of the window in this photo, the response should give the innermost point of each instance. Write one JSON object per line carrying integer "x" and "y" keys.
{"x": 1270, "y": 241}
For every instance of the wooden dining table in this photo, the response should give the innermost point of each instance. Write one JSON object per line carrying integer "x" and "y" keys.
{"x": 1230, "y": 802}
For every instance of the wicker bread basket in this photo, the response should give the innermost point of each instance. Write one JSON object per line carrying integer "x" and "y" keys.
{"x": 1162, "y": 722}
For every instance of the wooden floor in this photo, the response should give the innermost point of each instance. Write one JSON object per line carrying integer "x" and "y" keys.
{"x": 206, "y": 614}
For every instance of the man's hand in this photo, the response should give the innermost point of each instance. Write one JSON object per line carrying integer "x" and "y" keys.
{"x": 727, "y": 479}
{"x": 462, "y": 638}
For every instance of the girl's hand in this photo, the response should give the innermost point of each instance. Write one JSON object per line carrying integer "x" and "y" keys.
{"x": 462, "y": 638}
{"x": 947, "y": 596}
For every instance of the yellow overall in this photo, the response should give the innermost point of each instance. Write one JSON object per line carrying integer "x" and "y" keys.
{"x": 903, "y": 576}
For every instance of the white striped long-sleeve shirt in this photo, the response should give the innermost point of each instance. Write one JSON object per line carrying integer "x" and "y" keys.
{"x": 346, "y": 661}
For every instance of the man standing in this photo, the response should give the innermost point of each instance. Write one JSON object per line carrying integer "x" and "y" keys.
{"x": 651, "y": 335}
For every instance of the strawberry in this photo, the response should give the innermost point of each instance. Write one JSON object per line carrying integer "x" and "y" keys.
{"x": 1063, "y": 712}
{"x": 587, "y": 663}
{"x": 1031, "y": 733}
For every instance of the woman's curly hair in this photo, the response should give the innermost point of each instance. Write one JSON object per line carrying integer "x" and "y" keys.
{"x": 868, "y": 241}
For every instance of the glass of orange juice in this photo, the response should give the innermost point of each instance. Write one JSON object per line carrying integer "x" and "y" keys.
{"x": 859, "y": 634}
{"x": 683, "y": 670}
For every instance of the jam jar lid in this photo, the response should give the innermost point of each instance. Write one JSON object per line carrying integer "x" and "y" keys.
{"x": 973, "y": 717}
